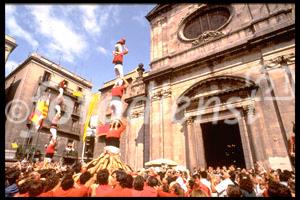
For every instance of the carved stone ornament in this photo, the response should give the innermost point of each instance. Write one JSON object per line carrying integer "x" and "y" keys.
{"x": 190, "y": 120}
{"x": 279, "y": 61}
{"x": 207, "y": 36}
{"x": 167, "y": 93}
{"x": 157, "y": 95}
{"x": 136, "y": 114}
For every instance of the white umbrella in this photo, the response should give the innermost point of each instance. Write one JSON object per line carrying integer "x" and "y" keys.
{"x": 161, "y": 161}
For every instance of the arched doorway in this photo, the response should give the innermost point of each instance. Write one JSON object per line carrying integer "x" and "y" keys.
{"x": 222, "y": 144}
{"x": 212, "y": 103}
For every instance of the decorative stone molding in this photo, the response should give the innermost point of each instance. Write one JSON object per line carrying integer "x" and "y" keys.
{"x": 190, "y": 120}
{"x": 249, "y": 109}
{"x": 167, "y": 93}
{"x": 279, "y": 61}
{"x": 207, "y": 36}
{"x": 161, "y": 94}
{"x": 136, "y": 114}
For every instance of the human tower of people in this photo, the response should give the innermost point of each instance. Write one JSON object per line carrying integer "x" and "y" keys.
{"x": 110, "y": 158}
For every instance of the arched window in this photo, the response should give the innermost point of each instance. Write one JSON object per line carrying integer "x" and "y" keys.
{"x": 207, "y": 21}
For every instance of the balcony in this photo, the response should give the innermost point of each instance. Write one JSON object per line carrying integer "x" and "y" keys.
{"x": 63, "y": 128}
{"x": 54, "y": 86}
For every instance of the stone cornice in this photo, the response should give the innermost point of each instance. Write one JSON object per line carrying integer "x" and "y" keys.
{"x": 246, "y": 44}
{"x": 49, "y": 64}
{"x": 158, "y": 10}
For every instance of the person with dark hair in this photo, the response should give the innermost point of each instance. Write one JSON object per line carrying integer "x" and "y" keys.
{"x": 12, "y": 187}
{"x": 81, "y": 187}
{"x": 23, "y": 188}
{"x": 51, "y": 183}
{"x": 102, "y": 187}
{"x": 200, "y": 186}
{"x": 129, "y": 181}
{"x": 118, "y": 180}
{"x": 278, "y": 190}
{"x": 67, "y": 188}
{"x": 174, "y": 191}
{"x": 138, "y": 186}
{"x": 284, "y": 177}
{"x": 233, "y": 191}
{"x": 35, "y": 188}
{"x": 232, "y": 175}
{"x": 149, "y": 187}
{"x": 204, "y": 181}
{"x": 246, "y": 185}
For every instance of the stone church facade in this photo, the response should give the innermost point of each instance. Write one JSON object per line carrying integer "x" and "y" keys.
{"x": 217, "y": 72}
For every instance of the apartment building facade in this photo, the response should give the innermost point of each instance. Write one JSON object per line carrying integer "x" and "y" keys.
{"x": 35, "y": 77}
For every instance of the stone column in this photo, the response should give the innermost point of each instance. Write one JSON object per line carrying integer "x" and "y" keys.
{"x": 190, "y": 149}
{"x": 199, "y": 144}
{"x": 155, "y": 127}
{"x": 167, "y": 133}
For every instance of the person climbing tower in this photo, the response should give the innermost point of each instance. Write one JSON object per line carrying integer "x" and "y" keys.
{"x": 118, "y": 53}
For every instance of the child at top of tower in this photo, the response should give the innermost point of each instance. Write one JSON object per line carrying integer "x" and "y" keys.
{"x": 118, "y": 53}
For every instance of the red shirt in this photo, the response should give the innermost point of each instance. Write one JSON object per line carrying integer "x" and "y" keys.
{"x": 118, "y": 57}
{"x": 149, "y": 191}
{"x": 82, "y": 190}
{"x": 166, "y": 194}
{"x": 120, "y": 192}
{"x": 118, "y": 91}
{"x": 46, "y": 194}
{"x": 102, "y": 190}
{"x": 72, "y": 192}
{"x": 50, "y": 148}
{"x": 116, "y": 133}
{"x": 21, "y": 195}
{"x": 203, "y": 187}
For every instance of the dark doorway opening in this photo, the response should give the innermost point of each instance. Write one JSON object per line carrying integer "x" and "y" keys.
{"x": 222, "y": 144}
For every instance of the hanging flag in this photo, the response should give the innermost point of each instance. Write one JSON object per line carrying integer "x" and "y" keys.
{"x": 77, "y": 94}
{"x": 93, "y": 102}
{"x": 14, "y": 145}
{"x": 40, "y": 113}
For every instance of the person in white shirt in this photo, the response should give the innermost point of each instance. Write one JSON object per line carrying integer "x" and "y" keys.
{"x": 222, "y": 186}
{"x": 204, "y": 181}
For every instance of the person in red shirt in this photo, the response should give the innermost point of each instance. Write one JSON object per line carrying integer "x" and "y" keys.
{"x": 174, "y": 191}
{"x": 102, "y": 187}
{"x": 118, "y": 53}
{"x": 149, "y": 187}
{"x": 50, "y": 149}
{"x": 117, "y": 92}
{"x": 67, "y": 188}
{"x": 112, "y": 139}
{"x": 82, "y": 189}
{"x": 118, "y": 181}
{"x": 35, "y": 188}
{"x": 138, "y": 186}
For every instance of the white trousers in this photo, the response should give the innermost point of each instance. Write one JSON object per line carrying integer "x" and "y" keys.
{"x": 53, "y": 131}
{"x": 112, "y": 149}
{"x": 117, "y": 109}
{"x": 119, "y": 70}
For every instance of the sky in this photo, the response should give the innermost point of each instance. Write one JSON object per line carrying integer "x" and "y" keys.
{"x": 80, "y": 37}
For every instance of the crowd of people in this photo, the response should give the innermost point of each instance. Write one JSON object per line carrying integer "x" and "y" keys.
{"x": 26, "y": 179}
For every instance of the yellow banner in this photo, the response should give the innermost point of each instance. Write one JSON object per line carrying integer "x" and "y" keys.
{"x": 93, "y": 102}
{"x": 77, "y": 94}
{"x": 14, "y": 145}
